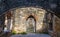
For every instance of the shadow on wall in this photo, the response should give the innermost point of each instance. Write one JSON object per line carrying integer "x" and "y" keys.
{"x": 44, "y": 27}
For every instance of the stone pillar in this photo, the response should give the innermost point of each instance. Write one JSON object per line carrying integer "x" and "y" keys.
{"x": 8, "y": 22}
{"x": 11, "y": 23}
{"x": 53, "y": 22}
{"x": 54, "y": 33}
{"x": 5, "y": 28}
{"x": 5, "y": 20}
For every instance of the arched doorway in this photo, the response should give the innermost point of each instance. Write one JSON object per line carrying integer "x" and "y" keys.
{"x": 31, "y": 24}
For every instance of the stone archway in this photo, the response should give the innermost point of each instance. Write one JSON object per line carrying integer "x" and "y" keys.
{"x": 21, "y": 14}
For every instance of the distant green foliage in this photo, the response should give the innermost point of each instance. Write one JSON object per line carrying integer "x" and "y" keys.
{"x": 13, "y": 32}
{"x": 23, "y": 33}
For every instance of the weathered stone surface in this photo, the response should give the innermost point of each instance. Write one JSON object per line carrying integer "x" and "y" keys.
{"x": 21, "y": 14}
{"x": 57, "y": 26}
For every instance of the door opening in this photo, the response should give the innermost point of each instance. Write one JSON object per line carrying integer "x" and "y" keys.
{"x": 31, "y": 24}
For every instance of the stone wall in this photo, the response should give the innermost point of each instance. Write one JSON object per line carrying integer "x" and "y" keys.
{"x": 57, "y": 26}
{"x": 21, "y": 14}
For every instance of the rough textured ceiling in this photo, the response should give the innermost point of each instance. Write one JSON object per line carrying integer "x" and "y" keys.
{"x": 53, "y": 5}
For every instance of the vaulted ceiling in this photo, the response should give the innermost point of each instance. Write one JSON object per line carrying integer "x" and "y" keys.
{"x": 52, "y": 5}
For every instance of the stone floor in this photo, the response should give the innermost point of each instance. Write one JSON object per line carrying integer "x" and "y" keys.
{"x": 31, "y": 35}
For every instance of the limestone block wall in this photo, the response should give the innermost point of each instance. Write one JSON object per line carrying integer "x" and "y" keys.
{"x": 57, "y": 26}
{"x": 21, "y": 14}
